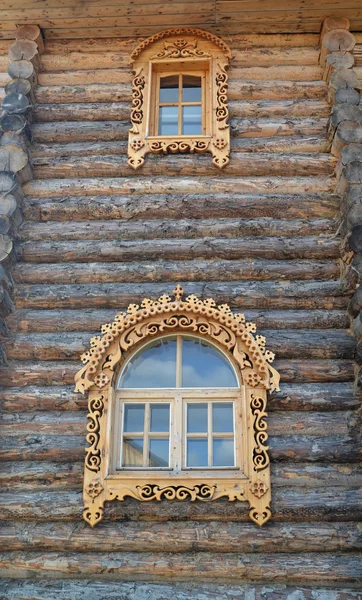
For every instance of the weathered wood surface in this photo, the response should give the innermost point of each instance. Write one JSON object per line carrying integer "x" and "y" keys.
{"x": 179, "y": 537}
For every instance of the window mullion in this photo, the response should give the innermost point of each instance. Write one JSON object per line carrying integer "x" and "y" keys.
{"x": 146, "y": 429}
{"x": 178, "y": 433}
{"x": 180, "y": 105}
{"x": 209, "y": 433}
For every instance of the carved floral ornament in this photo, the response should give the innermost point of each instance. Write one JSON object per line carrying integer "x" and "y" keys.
{"x": 107, "y": 354}
{"x": 173, "y": 50}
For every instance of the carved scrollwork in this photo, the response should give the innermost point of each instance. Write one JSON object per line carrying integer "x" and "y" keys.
{"x": 137, "y": 100}
{"x": 179, "y": 146}
{"x": 93, "y": 453}
{"x": 258, "y": 488}
{"x": 260, "y": 517}
{"x": 260, "y": 453}
{"x": 94, "y": 489}
{"x": 222, "y": 111}
{"x": 181, "y": 48}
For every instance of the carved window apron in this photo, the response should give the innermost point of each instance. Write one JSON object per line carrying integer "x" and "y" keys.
{"x": 177, "y": 316}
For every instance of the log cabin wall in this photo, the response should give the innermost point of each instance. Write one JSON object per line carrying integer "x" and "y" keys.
{"x": 262, "y": 236}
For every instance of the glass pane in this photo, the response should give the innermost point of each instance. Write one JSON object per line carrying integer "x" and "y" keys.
{"x": 169, "y": 89}
{"x": 222, "y": 417}
{"x": 197, "y": 418}
{"x": 153, "y": 367}
{"x": 191, "y": 88}
{"x": 159, "y": 453}
{"x": 133, "y": 452}
{"x": 191, "y": 120}
{"x": 223, "y": 452}
{"x": 134, "y": 415}
{"x": 204, "y": 366}
{"x": 160, "y": 417}
{"x": 168, "y": 120}
{"x": 197, "y": 453}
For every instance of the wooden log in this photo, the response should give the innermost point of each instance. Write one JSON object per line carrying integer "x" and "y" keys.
{"x": 12, "y": 158}
{"x": 163, "y": 206}
{"x": 179, "y": 537}
{"x": 180, "y": 228}
{"x": 296, "y": 504}
{"x": 18, "y": 86}
{"x": 325, "y": 294}
{"x": 22, "y": 69}
{"x": 346, "y": 112}
{"x": 196, "y": 270}
{"x": 337, "y": 60}
{"x": 257, "y": 567}
{"x": 8, "y": 205}
{"x": 7, "y": 183}
{"x": 62, "y": 373}
{"x": 348, "y": 132}
{"x": 331, "y": 23}
{"x": 173, "y": 249}
{"x": 15, "y": 123}
{"x": 55, "y": 188}
{"x": 31, "y": 32}
{"x": 241, "y": 164}
{"x": 343, "y": 78}
{"x": 336, "y": 40}
{"x": 23, "y": 49}
{"x": 15, "y": 104}
{"x": 348, "y": 96}
{"x": 286, "y": 344}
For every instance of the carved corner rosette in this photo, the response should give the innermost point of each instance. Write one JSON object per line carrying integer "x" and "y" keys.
{"x": 131, "y": 329}
{"x": 182, "y": 47}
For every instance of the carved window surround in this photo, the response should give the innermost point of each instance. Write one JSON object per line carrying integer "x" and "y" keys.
{"x": 180, "y": 50}
{"x": 102, "y": 363}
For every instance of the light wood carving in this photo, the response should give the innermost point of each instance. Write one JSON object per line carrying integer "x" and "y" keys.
{"x": 104, "y": 360}
{"x": 180, "y": 50}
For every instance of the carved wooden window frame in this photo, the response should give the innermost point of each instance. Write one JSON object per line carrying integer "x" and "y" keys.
{"x": 105, "y": 358}
{"x": 181, "y": 50}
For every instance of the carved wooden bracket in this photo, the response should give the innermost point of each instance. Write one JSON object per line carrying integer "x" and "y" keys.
{"x": 103, "y": 361}
{"x": 180, "y": 49}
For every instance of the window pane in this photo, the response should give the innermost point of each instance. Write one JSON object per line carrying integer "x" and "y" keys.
{"x": 197, "y": 418}
{"x": 160, "y": 417}
{"x": 154, "y": 367}
{"x": 168, "y": 120}
{"x": 191, "y": 88}
{"x": 133, "y": 452}
{"x": 204, "y": 366}
{"x": 197, "y": 453}
{"x": 159, "y": 453}
{"x": 169, "y": 89}
{"x": 222, "y": 417}
{"x": 134, "y": 415}
{"x": 191, "y": 120}
{"x": 223, "y": 452}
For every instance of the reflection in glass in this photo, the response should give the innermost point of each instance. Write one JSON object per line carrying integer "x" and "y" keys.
{"x": 204, "y": 366}
{"x": 197, "y": 453}
{"x": 169, "y": 89}
{"x": 222, "y": 417}
{"x": 158, "y": 453}
{"x": 133, "y": 452}
{"x": 153, "y": 367}
{"x": 160, "y": 417}
{"x": 197, "y": 418}
{"x": 191, "y": 88}
{"x": 223, "y": 452}
{"x": 191, "y": 120}
{"x": 168, "y": 120}
{"x": 134, "y": 415}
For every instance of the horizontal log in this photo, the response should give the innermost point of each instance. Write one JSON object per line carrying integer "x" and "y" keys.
{"x": 198, "y": 206}
{"x": 122, "y": 75}
{"x": 308, "y": 396}
{"x": 164, "y": 270}
{"x": 296, "y": 504}
{"x": 178, "y": 537}
{"x": 120, "y": 111}
{"x": 21, "y": 374}
{"x": 256, "y": 567}
{"x": 65, "y": 588}
{"x": 99, "y": 130}
{"x": 23, "y": 49}
{"x": 302, "y": 343}
{"x": 23, "y": 69}
{"x": 249, "y": 164}
{"x": 72, "y": 423}
{"x": 187, "y": 228}
{"x": 326, "y": 294}
{"x": 55, "y": 188}
{"x": 22, "y": 476}
{"x": 293, "y": 144}
{"x": 121, "y": 92}
{"x": 311, "y": 247}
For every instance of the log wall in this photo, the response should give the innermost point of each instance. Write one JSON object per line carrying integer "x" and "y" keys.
{"x": 262, "y": 235}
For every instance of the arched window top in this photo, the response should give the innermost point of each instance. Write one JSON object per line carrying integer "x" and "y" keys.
{"x": 178, "y": 361}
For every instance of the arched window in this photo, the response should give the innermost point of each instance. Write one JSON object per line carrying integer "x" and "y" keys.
{"x": 179, "y": 96}
{"x": 177, "y": 406}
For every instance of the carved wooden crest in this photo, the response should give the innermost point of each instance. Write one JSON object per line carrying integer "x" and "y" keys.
{"x": 177, "y": 50}
{"x": 152, "y": 319}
